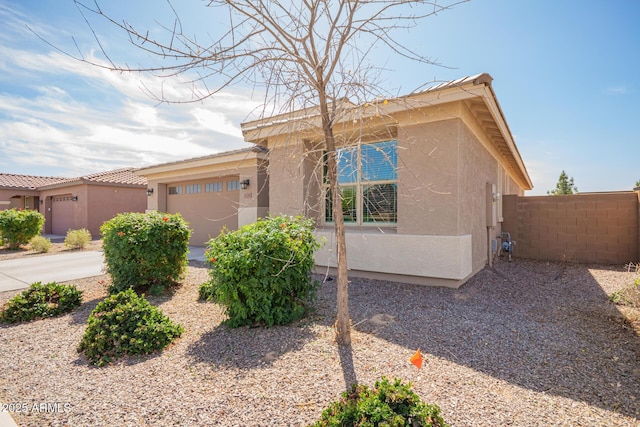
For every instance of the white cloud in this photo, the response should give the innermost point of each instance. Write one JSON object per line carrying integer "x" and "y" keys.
{"x": 616, "y": 90}
{"x": 216, "y": 121}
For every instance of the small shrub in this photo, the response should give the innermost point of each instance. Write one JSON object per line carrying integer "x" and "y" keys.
{"x": 629, "y": 295}
{"x": 145, "y": 250}
{"x": 386, "y": 404}
{"x": 19, "y": 226}
{"x": 41, "y": 301}
{"x": 40, "y": 244}
{"x": 77, "y": 239}
{"x": 126, "y": 324}
{"x": 261, "y": 273}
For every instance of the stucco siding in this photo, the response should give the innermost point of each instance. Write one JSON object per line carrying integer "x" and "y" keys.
{"x": 286, "y": 177}
{"x": 105, "y": 202}
{"x": 477, "y": 167}
{"x": 428, "y": 178}
{"x": 441, "y": 257}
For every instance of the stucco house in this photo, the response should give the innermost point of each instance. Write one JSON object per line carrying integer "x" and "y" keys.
{"x": 75, "y": 203}
{"x": 421, "y": 176}
{"x": 212, "y": 192}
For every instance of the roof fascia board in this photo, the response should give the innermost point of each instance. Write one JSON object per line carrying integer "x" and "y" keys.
{"x": 233, "y": 160}
{"x": 259, "y": 130}
{"x": 498, "y": 117}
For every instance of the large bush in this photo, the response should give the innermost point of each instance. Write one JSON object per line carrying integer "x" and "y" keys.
{"x": 41, "y": 301}
{"x": 17, "y": 227}
{"x": 126, "y": 324}
{"x": 145, "y": 249}
{"x": 261, "y": 273}
{"x": 77, "y": 239}
{"x": 386, "y": 404}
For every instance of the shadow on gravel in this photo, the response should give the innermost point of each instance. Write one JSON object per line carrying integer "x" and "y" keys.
{"x": 81, "y": 314}
{"x": 547, "y": 327}
{"x": 249, "y": 348}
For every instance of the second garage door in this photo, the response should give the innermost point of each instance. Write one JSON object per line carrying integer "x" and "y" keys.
{"x": 61, "y": 214}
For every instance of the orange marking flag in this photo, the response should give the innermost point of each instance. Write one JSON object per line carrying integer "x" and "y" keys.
{"x": 416, "y": 359}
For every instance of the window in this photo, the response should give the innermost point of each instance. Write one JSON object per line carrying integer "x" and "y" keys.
{"x": 233, "y": 185}
{"x": 368, "y": 180}
{"x": 175, "y": 190}
{"x": 193, "y": 189}
{"x": 213, "y": 187}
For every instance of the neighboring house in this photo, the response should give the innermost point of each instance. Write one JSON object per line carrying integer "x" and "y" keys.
{"x": 227, "y": 189}
{"x": 421, "y": 178}
{"x": 75, "y": 203}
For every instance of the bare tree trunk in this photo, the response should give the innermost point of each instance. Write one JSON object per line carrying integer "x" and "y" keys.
{"x": 343, "y": 322}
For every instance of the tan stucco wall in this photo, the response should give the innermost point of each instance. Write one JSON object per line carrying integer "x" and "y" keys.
{"x": 105, "y": 202}
{"x": 427, "y": 178}
{"x": 476, "y": 169}
{"x": 286, "y": 177}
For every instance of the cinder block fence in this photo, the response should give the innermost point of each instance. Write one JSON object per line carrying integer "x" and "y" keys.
{"x": 586, "y": 228}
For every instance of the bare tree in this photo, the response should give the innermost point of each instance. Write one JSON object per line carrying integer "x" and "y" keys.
{"x": 312, "y": 53}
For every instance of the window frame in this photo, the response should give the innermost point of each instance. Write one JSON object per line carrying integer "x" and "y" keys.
{"x": 193, "y": 188}
{"x": 360, "y": 186}
{"x": 233, "y": 185}
{"x": 214, "y": 187}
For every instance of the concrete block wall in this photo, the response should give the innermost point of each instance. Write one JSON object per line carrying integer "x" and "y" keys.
{"x": 586, "y": 228}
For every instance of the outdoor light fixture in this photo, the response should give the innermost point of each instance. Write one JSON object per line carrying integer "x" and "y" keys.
{"x": 74, "y": 198}
{"x": 149, "y": 191}
{"x": 244, "y": 184}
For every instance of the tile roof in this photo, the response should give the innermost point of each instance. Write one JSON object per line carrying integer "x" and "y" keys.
{"x": 27, "y": 181}
{"x": 119, "y": 176}
{"x": 123, "y": 176}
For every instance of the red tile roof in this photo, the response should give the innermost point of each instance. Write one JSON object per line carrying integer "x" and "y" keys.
{"x": 27, "y": 181}
{"x": 123, "y": 176}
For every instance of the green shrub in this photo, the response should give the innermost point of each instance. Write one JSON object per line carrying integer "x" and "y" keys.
{"x": 629, "y": 295}
{"x": 261, "y": 273}
{"x": 77, "y": 239}
{"x": 41, "y": 301}
{"x": 145, "y": 250}
{"x": 126, "y": 324}
{"x": 386, "y": 404}
{"x": 19, "y": 226}
{"x": 40, "y": 244}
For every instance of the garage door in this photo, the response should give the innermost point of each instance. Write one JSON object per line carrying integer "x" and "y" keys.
{"x": 208, "y": 206}
{"x": 61, "y": 214}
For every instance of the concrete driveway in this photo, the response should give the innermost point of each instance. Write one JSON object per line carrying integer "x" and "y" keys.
{"x": 21, "y": 272}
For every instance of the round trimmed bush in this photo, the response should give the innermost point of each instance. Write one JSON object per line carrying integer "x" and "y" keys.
{"x": 126, "y": 324}
{"x": 77, "y": 239}
{"x": 40, "y": 244}
{"x": 386, "y": 404}
{"x": 41, "y": 301}
{"x": 145, "y": 250}
{"x": 261, "y": 273}
{"x": 17, "y": 227}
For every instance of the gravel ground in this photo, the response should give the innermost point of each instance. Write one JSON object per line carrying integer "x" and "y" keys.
{"x": 522, "y": 344}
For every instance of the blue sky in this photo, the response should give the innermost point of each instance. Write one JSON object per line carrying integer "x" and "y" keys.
{"x": 565, "y": 74}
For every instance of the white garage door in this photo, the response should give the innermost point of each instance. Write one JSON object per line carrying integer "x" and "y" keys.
{"x": 61, "y": 214}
